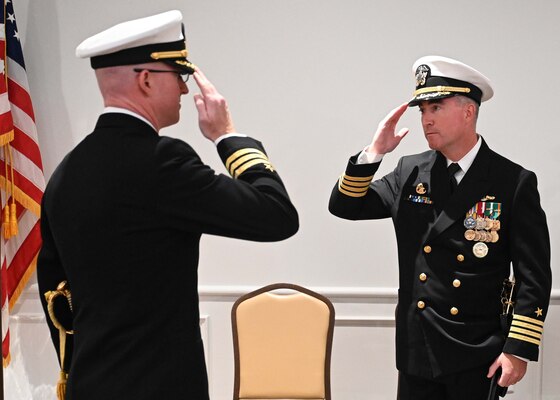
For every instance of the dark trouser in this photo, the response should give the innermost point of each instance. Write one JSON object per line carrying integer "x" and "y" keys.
{"x": 467, "y": 385}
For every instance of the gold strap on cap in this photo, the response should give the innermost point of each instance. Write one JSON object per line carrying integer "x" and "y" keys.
{"x": 157, "y": 55}
{"x": 433, "y": 89}
{"x": 61, "y": 290}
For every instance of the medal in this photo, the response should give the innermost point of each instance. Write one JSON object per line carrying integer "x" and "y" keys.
{"x": 470, "y": 222}
{"x": 480, "y": 250}
{"x": 469, "y": 234}
{"x": 480, "y": 223}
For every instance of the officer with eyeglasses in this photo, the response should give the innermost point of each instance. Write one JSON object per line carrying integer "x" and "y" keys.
{"x": 123, "y": 214}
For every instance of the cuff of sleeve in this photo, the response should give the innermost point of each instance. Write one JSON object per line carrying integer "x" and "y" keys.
{"x": 356, "y": 179}
{"x": 366, "y": 157}
{"x": 521, "y": 358}
{"x": 228, "y": 135}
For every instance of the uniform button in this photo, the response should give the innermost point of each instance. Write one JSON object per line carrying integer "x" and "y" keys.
{"x": 454, "y": 311}
{"x": 421, "y": 304}
{"x": 456, "y": 282}
{"x": 460, "y": 257}
{"x": 427, "y": 249}
{"x": 422, "y": 277}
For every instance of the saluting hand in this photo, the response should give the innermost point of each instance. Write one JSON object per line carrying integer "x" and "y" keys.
{"x": 385, "y": 139}
{"x": 214, "y": 118}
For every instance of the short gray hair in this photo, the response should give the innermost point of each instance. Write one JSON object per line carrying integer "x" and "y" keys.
{"x": 467, "y": 100}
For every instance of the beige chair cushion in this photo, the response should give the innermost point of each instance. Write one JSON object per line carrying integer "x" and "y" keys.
{"x": 282, "y": 346}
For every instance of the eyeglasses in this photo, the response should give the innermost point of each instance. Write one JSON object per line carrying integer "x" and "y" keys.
{"x": 180, "y": 75}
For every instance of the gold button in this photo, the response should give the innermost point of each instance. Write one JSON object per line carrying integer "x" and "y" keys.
{"x": 427, "y": 249}
{"x": 456, "y": 282}
{"x": 423, "y": 277}
{"x": 421, "y": 304}
{"x": 460, "y": 257}
{"x": 454, "y": 311}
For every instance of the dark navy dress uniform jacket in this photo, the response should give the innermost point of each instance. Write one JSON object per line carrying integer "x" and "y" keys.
{"x": 122, "y": 218}
{"x": 449, "y": 301}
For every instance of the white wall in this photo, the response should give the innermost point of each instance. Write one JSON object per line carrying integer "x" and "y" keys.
{"x": 311, "y": 79}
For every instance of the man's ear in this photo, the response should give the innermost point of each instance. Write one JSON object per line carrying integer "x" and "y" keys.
{"x": 144, "y": 82}
{"x": 470, "y": 111}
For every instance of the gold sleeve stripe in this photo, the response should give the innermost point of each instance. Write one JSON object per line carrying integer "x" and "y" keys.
{"x": 356, "y": 184}
{"x": 250, "y": 164}
{"x": 352, "y": 188}
{"x": 524, "y": 338}
{"x": 358, "y": 178}
{"x": 528, "y": 319}
{"x": 528, "y": 326}
{"x": 240, "y": 153}
{"x": 526, "y": 332}
{"x": 351, "y": 194}
{"x": 243, "y": 159}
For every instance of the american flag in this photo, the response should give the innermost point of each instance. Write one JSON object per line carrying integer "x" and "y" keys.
{"x": 21, "y": 174}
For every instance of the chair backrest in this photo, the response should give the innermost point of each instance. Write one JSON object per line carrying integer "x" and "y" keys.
{"x": 282, "y": 344}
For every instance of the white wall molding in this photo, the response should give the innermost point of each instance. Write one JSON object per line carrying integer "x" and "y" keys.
{"x": 335, "y": 293}
{"x": 365, "y": 322}
{"x": 209, "y": 292}
{"x": 341, "y": 293}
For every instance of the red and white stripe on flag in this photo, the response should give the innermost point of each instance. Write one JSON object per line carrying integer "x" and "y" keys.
{"x": 22, "y": 182}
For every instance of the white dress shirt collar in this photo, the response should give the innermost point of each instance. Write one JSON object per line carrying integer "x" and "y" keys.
{"x": 467, "y": 160}
{"x": 120, "y": 110}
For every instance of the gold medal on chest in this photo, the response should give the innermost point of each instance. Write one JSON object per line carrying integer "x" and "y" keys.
{"x": 480, "y": 249}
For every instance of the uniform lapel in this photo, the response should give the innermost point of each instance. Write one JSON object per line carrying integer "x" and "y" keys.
{"x": 473, "y": 187}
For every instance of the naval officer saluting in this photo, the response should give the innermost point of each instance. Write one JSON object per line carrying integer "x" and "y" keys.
{"x": 462, "y": 215}
{"x": 123, "y": 214}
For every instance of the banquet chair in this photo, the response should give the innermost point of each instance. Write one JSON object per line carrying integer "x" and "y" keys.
{"x": 282, "y": 336}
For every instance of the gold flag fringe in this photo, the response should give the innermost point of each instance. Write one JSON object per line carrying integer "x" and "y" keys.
{"x": 22, "y": 198}
{"x": 23, "y": 281}
{"x": 6, "y": 361}
{"x": 6, "y": 138}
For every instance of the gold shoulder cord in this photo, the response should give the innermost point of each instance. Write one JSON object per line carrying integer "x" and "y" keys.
{"x": 61, "y": 290}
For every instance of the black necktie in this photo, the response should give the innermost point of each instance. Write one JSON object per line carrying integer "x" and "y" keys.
{"x": 451, "y": 170}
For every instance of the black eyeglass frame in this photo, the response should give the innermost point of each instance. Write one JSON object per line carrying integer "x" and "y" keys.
{"x": 182, "y": 76}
